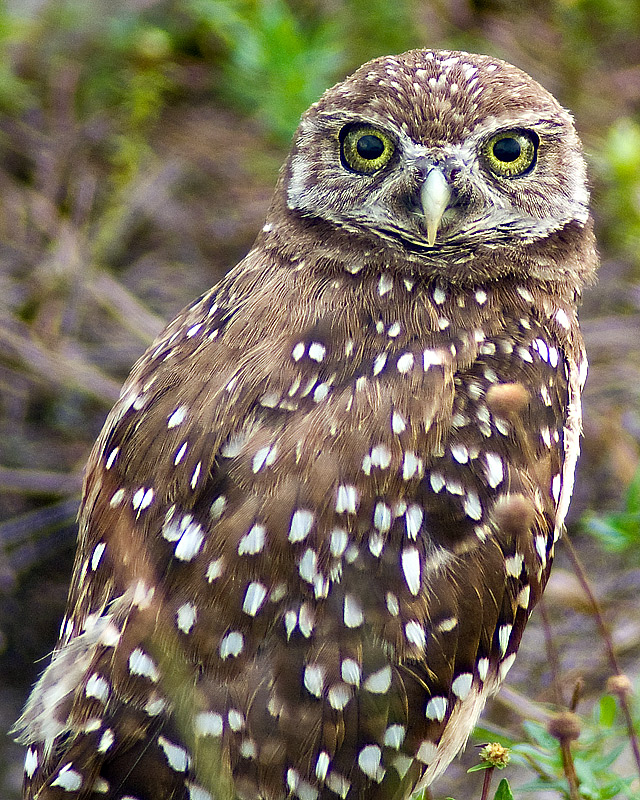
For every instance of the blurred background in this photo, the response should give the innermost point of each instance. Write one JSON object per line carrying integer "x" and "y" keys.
{"x": 139, "y": 144}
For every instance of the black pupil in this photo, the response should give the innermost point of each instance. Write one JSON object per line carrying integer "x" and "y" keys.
{"x": 507, "y": 149}
{"x": 370, "y": 147}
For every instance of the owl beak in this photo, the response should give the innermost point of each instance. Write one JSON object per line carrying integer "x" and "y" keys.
{"x": 435, "y": 195}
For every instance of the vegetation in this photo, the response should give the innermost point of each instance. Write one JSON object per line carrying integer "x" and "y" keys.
{"x": 139, "y": 142}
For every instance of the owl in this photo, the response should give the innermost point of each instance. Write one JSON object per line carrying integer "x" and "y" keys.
{"x": 316, "y": 521}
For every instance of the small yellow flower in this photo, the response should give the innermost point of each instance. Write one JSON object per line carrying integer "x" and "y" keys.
{"x": 496, "y": 755}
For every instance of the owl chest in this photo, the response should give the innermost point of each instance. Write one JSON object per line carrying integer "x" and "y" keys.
{"x": 367, "y": 469}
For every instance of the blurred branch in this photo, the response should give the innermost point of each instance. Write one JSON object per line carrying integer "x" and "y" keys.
{"x": 35, "y": 537}
{"x": 109, "y": 293}
{"x": 520, "y": 704}
{"x": 66, "y": 369}
{"x": 606, "y": 637}
{"x": 33, "y": 481}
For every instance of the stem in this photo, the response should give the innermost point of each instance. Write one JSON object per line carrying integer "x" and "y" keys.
{"x": 576, "y": 694}
{"x": 569, "y": 769}
{"x": 606, "y": 636}
{"x": 565, "y": 744}
{"x": 552, "y": 654}
{"x": 488, "y": 774}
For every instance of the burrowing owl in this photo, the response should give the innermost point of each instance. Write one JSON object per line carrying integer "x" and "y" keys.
{"x": 317, "y": 519}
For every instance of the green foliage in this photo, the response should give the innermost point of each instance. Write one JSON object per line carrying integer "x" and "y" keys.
{"x": 503, "y": 792}
{"x": 617, "y": 166}
{"x": 596, "y": 756}
{"x": 275, "y": 63}
{"x": 269, "y": 59}
{"x": 619, "y": 531}
{"x": 15, "y": 95}
{"x": 119, "y": 60}
{"x": 370, "y": 28}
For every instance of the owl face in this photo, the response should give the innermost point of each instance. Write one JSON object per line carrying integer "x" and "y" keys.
{"x": 439, "y": 154}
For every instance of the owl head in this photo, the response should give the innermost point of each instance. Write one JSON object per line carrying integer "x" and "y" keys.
{"x": 450, "y": 161}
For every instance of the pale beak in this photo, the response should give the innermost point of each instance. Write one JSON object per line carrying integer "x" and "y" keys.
{"x": 435, "y": 195}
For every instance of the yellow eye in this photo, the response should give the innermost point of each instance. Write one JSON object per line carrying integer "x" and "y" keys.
{"x": 511, "y": 153}
{"x": 365, "y": 149}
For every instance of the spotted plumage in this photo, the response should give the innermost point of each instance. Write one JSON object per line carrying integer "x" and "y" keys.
{"x": 319, "y": 516}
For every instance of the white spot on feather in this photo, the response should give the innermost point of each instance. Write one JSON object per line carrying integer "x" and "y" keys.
{"x": 427, "y": 752}
{"x": 97, "y": 687}
{"x": 411, "y": 569}
{"x": 30, "y": 762}
{"x": 98, "y": 550}
{"x": 380, "y": 456}
{"x": 177, "y": 756}
{"x": 436, "y": 708}
{"x": 253, "y": 541}
{"x": 369, "y": 762}
{"x": 382, "y": 517}
{"x": 322, "y": 765}
{"x": 461, "y": 686}
{"x": 413, "y": 520}
{"x": 301, "y": 523}
{"x": 208, "y": 723}
{"x": 405, "y": 363}
{"x": 178, "y": 417}
{"x": 439, "y": 295}
{"x": 142, "y": 664}
{"x": 214, "y": 570}
{"x": 506, "y": 665}
{"x": 314, "y": 679}
{"x": 264, "y": 457}
{"x": 483, "y": 668}
{"x": 379, "y": 682}
{"x": 394, "y": 736}
{"x": 339, "y": 695}
{"x": 385, "y": 284}
{"x": 353, "y": 616}
{"x": 513, "y": 565}
{"x": 350, "y": 671}
{"x": 346, "y": 499}
{"x": 494, "y": 470}
{"x": 254, "y": 598}
{"x": 111, "y": 458}
{"x": 231, "y": 645}
{"x": 504, "y": 634}
{"x": 412, "y": 466}
{"x": 68, "y": 779}
{"x": 415, "y": 634}
{"x": 317, "y": 351}
{"x": 186, "y": 617}
{"x": 398, "y": 424}
{"x": 379, "y": 363}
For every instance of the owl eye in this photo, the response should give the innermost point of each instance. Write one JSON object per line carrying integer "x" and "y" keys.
{"x": 511, "y": 153}
{"x": 365, "y": 149}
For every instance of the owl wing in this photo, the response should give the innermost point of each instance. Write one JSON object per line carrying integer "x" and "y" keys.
{"x": 306, "y": 554}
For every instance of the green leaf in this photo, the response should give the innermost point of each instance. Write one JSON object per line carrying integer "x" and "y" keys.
{"x": 479, "y": 767}
{"x": 486, "y": 732}
{"x": 540, "y": 735}
{"x": 633, "y": 495}
{"x": 605, "y": 760}
{"x": 503, "y": 792}
{"x": 608, "y": 711}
